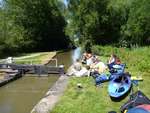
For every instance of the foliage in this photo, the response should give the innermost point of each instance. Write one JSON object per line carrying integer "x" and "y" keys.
{"x": 32, "y": 25}
{"x": 137, "y": 28}
{"x": 84, "y": 18}
{"x": 88, "y": 46}
{"x": 124, "y": 22}
{"x": 135, "y": 58}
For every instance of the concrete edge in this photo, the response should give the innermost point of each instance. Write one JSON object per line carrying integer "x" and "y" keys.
{"x": 46, "y": 104}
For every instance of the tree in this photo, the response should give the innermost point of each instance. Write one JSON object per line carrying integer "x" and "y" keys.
{"x": 109, "y": 21}
{"x": 36, "y": 25}
{"x": 137, "y": 28}
{"x": 91, "y": 20}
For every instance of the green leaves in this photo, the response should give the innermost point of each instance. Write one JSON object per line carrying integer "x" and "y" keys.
{"x": 138, "y": 21}
{"x": 33, "y": 25}
{"x": 106, "y": 22}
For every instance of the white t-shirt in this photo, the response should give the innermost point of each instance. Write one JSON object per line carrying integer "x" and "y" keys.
{"x": 89, "y": 61}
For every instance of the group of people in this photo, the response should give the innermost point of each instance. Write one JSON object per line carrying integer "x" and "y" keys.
{"x": 92, "y": 65}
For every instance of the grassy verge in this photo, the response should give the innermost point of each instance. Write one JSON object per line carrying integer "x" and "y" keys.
{"x": 96, "y": 100}
{"x": 39, "y": 58}
{"x": 34, "y": 58}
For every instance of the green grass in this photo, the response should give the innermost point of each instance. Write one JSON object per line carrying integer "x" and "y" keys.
{"x": 91, "y": 99}
{"x": 34, "y": 58}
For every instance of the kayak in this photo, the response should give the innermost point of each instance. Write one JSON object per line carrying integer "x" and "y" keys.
{"x": 119, "y": 86}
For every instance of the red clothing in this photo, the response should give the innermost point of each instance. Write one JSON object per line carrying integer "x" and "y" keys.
{"x": 117, "y": 61}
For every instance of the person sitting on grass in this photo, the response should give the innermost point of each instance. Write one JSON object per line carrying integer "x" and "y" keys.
{"x": 98, "y": 66}
{"x": 99, "y": 73}
{"x": 83, "y": 60}
{"x": 97, "y": 69}
{"x": 87, "y": 58}
{"x": 113, "y": 60}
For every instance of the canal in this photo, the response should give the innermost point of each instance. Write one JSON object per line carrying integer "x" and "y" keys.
{"x": 22, "y": 95}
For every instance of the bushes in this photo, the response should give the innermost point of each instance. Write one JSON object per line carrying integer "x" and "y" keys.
{"x": 137, "y": 59}
{"x": 87, "y": 46}
{"x": 105, "y": 50}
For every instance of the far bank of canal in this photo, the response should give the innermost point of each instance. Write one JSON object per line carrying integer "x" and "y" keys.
{"x": 22, "y": 95}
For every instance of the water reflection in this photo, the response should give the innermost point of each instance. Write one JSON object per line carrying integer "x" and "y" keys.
{"x": 76, "y": 54}
{"x": 21, "y": 95}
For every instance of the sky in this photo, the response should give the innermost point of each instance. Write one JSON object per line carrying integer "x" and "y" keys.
{"x": 65, "y": 1}
{"x": 0, "y": 3}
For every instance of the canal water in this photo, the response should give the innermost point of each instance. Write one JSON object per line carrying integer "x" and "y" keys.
{"x": 22, "y": 95}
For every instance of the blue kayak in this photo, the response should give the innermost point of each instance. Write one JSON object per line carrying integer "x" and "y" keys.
{"x": 119, "y": 86}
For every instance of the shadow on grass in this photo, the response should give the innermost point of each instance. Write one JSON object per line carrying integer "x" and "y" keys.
{"x": 112, "y": 112}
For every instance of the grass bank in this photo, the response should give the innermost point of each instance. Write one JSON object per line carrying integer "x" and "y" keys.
{"x": 96, "y": 100}
{"x": 35, "y": 58}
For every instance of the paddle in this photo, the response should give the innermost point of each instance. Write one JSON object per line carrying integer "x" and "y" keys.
{"x": 134, "y": 83}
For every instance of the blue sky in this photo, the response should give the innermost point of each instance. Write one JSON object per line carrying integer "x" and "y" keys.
{"x": 0, "y": 3}
{"x": 65, "y": 1}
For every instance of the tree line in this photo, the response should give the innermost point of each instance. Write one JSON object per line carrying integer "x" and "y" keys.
{"x": 44, "y": 25}
{"x": 32, "y": 25}
{"x": 118, "y": 22}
